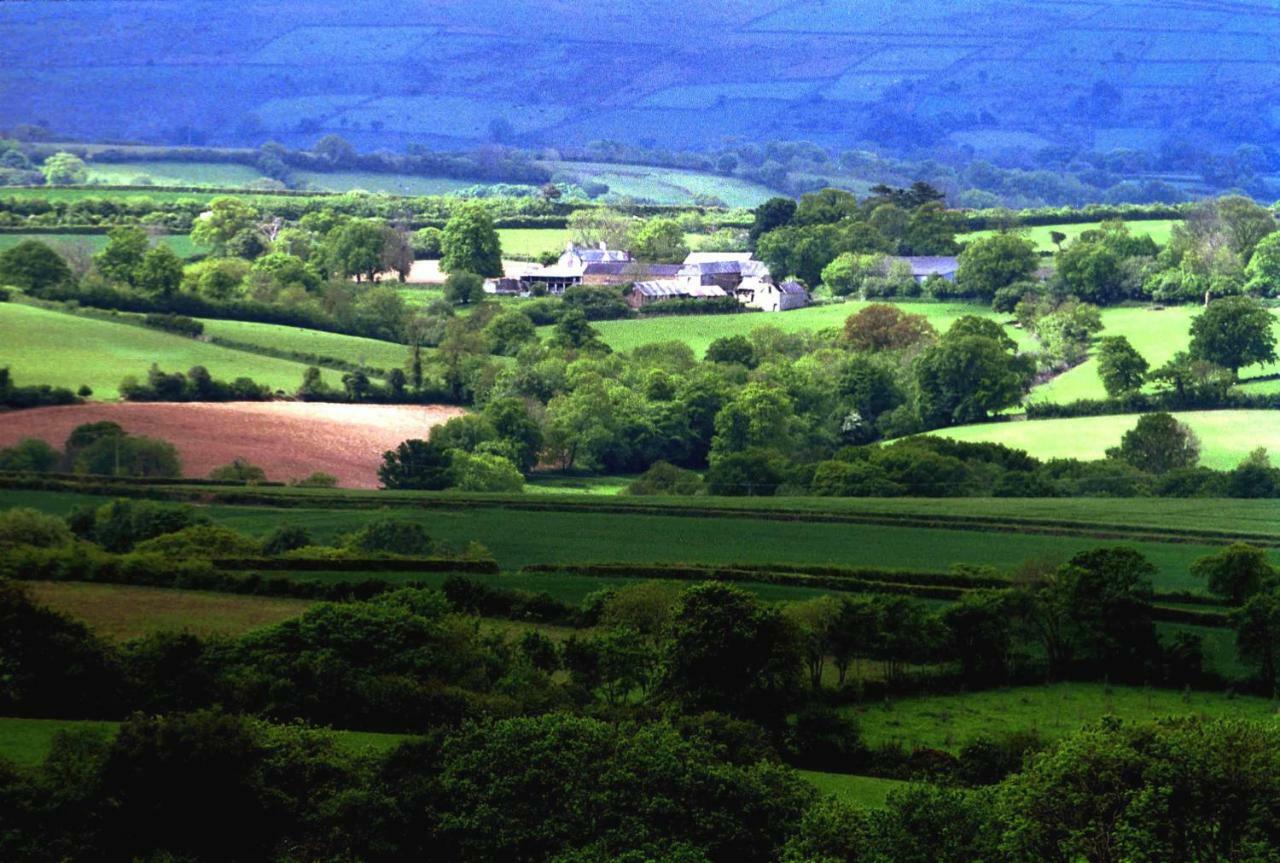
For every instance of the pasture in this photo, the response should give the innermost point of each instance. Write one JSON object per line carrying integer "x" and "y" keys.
{"x": 1157, "y": 334}
{"x": 180, "y": 243}
{"x": 699, "y": 331}
{"x": 26, "y": 742}
{"x": 220, "y": 175}
{"x": 120, "y": 612}
{"x": 948, "y": 722}
{"x": 867, "y": 792}
{"x": 664, "y": 185}
{"x": 519, "y": 537}
{"x": 1157, "y": 229}
{"x": 44, "y": 346}
{"x": 318, "y": 343}
{"x": 1226, "y": 437}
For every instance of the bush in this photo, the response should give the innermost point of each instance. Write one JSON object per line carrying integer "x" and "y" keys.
{"x": 664, "y": 478}
{"x": 22, "y": 526}
{"x": 29, "y": 455}
{"x": 239, "y": 470}
{"x": 390, "y": 536}
{"x": 319, "y": 479}
{"x": 180, "y": 324}
{"x": 200, "y": 541}
{"x": 484, "y": 472}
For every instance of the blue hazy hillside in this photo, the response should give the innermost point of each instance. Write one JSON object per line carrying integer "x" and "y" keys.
{"x": 902, "y": 75}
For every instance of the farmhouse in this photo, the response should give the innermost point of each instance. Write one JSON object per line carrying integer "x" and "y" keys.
{"x": 924, "y": 267}
{"x": 575, "y": 256}
{"x": 763, "y": 294}
{"x": 622, "y": 273}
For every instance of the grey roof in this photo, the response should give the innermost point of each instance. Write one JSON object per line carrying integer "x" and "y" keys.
{"x": 711, "y": 257}
{"x": 711, "y": 268}
{"x": 589, "y": 255}
{"x": 676, "y": 289}
{"x": 923, "y": 265}
{"x": 792, "y": 287}
{"x": 623, "y": 268}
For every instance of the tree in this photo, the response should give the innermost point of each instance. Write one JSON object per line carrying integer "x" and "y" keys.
{"x": 32, "y": 266}
{"x": 732, "y": 349}
{"x": 730, "y": 652}
{"x": 772, "y": 214}
{"x": 814, "y": 621}
{"x": 575, "y": 333}
{"x": 510, "y": 331}
{"x": 127, "y": 455}
{"x": 660, "y": 241}
{"x": 484, "y": 472}
{"x": 754, "y": 473}
{"x": 1237, "y": 572}
{"x": 964, "y": 378}
{"x": 1234, "y": 332}
{"x": 463, "y": 288}
{"x": 426, "y": 243}
{"x": 355, "y": 248}
{"x": 1107, "y": 593}
{"x": 239, "y": 470}
{"x": 759, "y": 415}
{"x": 980, "y": 635}
{"x": 225, "y": 218}
{"x": 882, "y": 327}
{"x": 592, "y": 226}
{"x": 397, "y": 252}
{"x": 517, "y": 430}
{"x": 1122, "y": 369}
{"x": 1193, "y": 381}
{"x": 1246, "y": 224}
{"x": 1263, "y": 272}
{"x": 470, "y": 243}
{"x": 29, "y": 455}
{"x": 160, "y": 272}
{"x": 64, "y": 169}
{"x": 415, "y": 464}
{"x": 1257, "y": 626}
{"x": 122, "y": 256}
{"x": 991, "y": 263}
{"x": 1158, "y": 444}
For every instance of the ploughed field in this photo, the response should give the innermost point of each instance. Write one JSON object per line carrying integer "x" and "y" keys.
{"x": 288, "y": 440}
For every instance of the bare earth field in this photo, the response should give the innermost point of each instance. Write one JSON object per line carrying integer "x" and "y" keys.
{"x": 287, "y": 439}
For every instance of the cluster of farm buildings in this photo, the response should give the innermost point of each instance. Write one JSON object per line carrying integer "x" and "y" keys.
{"x": 703, "y": 276}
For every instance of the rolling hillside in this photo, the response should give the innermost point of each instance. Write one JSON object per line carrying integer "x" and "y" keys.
{"x": 982, "y": 77}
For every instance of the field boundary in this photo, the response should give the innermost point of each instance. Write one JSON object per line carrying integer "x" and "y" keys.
{"x": 288, "y": 499}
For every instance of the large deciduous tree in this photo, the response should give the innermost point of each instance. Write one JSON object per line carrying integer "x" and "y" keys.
{"x": 991, "y": 263}
{"x": 470, "y": 243}
{"x": 32, "y": 266}
{"x": 1158, "y": 444}
{"x": 1234, "y": 332}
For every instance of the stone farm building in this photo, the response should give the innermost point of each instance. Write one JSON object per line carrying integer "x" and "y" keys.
{"x": 702, "y": 276}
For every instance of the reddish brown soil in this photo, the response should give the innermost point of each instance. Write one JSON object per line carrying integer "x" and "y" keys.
{"x": 286, "y": 439}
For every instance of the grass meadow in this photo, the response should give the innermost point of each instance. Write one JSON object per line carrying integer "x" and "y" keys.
{"x": 212, "y": 174}
{"x": 180, "y": 243}
{"x": 43, "y": 346}
{"x": 120, "y": 612}
{"x": 868, "y": 792}
{"x": 353, "y": 349}
{"x": 1054, "y": 710}
{"x": 1157, "y": 229}
{"x": 26, "y": 742}
{"x": 1226, "y": 437}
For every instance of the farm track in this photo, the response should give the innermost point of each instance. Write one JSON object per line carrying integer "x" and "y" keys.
{"x": 287, "y": 499}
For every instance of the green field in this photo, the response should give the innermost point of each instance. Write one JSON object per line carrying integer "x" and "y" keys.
{"x": 120, "y": 612}
{"x": 1157, "y": 334}
{"x": 26, "y": 742}
{"x": 701, "y": 330}
{"x": 1055, "y": 710}
{"x": 369, "y": 181}
{"x": 868, "y": 792}
{"x": 1226, "y": 437}
{"x": 42, "y": 346}
{"x": 532, "y": 242}
{"x": 665, "y": 185}
{"x": 213, "y": 174}
{"x": 180, "y": 243}
{"x": 520, "y": 537}
{"x": 1157, "y": 229}
{"x": 352, "y": 349}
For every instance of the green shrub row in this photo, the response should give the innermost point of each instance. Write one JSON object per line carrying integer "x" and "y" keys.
{"x": 353, "y": 564}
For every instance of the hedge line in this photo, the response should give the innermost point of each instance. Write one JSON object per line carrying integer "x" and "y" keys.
{"x": 879, "y": 575}
{"x": 349, "y": 564}
{"x": 1143, "y": 403}
{"x": 96, "y": 481}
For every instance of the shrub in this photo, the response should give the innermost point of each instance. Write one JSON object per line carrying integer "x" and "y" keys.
{"x": 319, "y": 479}
{"x": 666, "y": 478}
{"x": 390, "y": 536}
{"x": 484, "y": 472}
{"x": 180, "y": 324}
{"x": 200, "y": 541}
{"x": 22, "y": 526}
{"x": 239, "y": 470}
{"x": 29, "y": 455}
